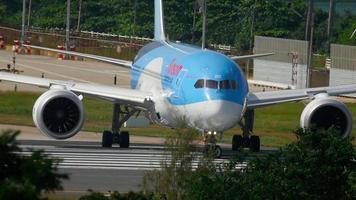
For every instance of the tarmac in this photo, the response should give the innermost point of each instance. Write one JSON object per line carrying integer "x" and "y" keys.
{"x": 50, "y": 67}
{"x": 32, "y": 133}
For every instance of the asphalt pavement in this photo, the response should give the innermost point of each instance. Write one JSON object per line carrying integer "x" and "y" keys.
{"x": 90, "y": 166}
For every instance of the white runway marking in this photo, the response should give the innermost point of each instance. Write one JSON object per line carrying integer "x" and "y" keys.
{"x": 53, "y": 73}
{"x": 108, "y": 72}
{"x": 135, "y": 158}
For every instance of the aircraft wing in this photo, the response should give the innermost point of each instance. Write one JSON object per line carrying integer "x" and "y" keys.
{"x": 124, "y": 63}
{"x": 262, "y": 99}
{"x": 135, "y": 98}
{"x": 251, "y": 56}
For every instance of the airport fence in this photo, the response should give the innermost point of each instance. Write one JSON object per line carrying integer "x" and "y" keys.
{"x": 343, "y": 65}
{"x": 116, "y": 46}
{"x": 105, "y": 44}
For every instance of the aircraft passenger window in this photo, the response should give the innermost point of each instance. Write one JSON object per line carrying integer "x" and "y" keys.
{"x": 199, "y": 84}
{"x": 211, "y": 84}
{"x": 225, "y": 84}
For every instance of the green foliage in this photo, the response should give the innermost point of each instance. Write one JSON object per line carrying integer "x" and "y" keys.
{"x": 347, "y": 23}
{"x": 170, "y": 182}
{"x": 320, "y": 165}
{"x": 25, "y": 177}
{"x": 228, "y": 21}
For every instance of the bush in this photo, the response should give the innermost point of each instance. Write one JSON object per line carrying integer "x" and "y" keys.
{"x": 25, "y": 177}
{"x": 176, "y": 169}
{"x": 116, "y": 196}
{"x": 320, "y": 165}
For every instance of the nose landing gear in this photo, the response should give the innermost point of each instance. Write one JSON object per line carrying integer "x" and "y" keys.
{"x": 211, "y": 148}
{"x": 246, "y": 140}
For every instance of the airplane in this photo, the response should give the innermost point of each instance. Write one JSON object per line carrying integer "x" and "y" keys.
{"x": 172, "y": 81}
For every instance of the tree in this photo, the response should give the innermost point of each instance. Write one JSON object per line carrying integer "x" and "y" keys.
{"x": 26, "y": 177}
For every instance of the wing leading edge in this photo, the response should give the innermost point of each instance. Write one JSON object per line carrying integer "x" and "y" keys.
{"x": 246, "y": 57}
{"x": 135, "y": 98}
{"x": 262, "y": 99}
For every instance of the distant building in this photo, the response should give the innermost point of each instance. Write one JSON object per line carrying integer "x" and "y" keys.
{"x": 341, "y": 5}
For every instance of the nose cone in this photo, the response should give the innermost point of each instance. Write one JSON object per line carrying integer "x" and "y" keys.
{"x": 215, "y": 115}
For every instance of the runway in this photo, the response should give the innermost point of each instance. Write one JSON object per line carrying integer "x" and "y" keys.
{"x": 91, "y": 167}
{"x": 90, "y": 155}
{"x": 104, "y": 169}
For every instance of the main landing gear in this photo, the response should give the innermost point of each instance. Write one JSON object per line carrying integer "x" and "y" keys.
{"x": 116, "y": 136}
{"x": 246, "y": 140}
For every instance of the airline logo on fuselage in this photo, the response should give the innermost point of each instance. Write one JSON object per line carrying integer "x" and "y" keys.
{"x": 174, "y": 69}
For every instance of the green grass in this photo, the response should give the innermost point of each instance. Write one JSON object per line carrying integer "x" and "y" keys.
{"x": 273, "y": 124}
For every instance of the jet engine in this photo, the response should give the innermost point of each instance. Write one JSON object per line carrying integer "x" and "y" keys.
{"x": 326, "y": 112}
{"x": 58, "y": 113}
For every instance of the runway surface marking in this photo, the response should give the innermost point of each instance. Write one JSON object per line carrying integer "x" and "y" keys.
{"x": 135, "y": 158}
{"x": 22, "y": 60}
{"x": 53, "y": 73}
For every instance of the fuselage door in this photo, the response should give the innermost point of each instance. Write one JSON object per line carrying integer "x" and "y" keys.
{"x": 178, "y": 84}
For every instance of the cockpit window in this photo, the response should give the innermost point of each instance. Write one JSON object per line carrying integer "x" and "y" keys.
{"x": 199, "y": 84}
{"x": 211, "y": 84}
{"x": 233, "y": 85}
{"x": 225, "y": 84}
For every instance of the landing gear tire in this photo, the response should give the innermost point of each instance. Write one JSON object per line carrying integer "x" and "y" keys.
{"x": 212, "y": 150}
{"x": 217, "y": 151}
{"x": 236, "y": 142}
{"x": 255, "y": 143}
{"x": 124, "y": 139}
{"x": 107, "y": 139}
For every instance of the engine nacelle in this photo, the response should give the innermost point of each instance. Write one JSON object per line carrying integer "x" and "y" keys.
{"x": 58, "y": 113}
{"x": 326, "y": 112}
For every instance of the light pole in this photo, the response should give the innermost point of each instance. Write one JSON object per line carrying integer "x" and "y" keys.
{"x": 29, "y": 14}
{"x": 23, "y": 22}
{"x": 79, "y": 15}
{"x": 330, "y": 18}
{"x": 309, "y": 19}
{"x": 68, "y": 26}
{"x": 203, "y": 7}
{"x": 309, "y": 30}
{"x": 251, "y": 38}
{"x": 310, "y": 50}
